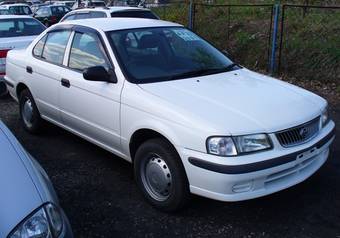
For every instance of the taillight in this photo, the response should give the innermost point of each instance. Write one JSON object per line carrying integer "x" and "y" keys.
{"x": 3, "y": 53}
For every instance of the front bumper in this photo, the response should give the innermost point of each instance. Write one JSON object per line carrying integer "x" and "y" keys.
{"x": 259, "y": 174}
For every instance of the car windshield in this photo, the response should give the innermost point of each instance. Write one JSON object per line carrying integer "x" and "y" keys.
{"x": 166, "y": 53}
{"x": 20, "y": 27}
{"x": 135, "y": 14}
{"x": 20, "y": 10}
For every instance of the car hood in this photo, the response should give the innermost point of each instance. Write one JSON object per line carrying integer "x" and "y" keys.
{"x": 239, "y": 102}
{"x": 16, "y": 42}
{"x": 19, "y": 196}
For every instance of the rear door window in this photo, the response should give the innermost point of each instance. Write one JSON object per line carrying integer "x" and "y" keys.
{"x": 38, "y": 48}
{"x": 55, "y": 46}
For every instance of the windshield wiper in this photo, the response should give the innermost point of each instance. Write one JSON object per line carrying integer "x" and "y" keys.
{"x": 202, "y": 72}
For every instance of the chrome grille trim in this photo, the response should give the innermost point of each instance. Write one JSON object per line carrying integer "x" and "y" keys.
{"x": 300, "y": 134}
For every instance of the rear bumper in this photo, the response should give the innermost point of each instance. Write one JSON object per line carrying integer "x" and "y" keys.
{"x": 232, "y": 179}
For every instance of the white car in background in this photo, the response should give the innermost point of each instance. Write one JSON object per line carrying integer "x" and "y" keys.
{"x": 15, "y": 32}
{"x": 108, "y": 12}
{"x": 90, "y": 3}
{"x": 17, "y": 9}
{"x": 161, "y": 97}
{"x": 65, "y": 3}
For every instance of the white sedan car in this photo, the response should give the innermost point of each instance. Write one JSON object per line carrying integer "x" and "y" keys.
{"x": 15, "y": 32}
{"x": 186, "y": 116}
{"x": 108, "y": 12}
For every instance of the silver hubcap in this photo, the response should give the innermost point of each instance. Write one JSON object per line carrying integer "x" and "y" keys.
{"x": 156, "y": 178}
{"x": 27, "y": 112}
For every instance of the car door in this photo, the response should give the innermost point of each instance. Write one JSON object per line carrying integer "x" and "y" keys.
{"x": 43, "y": 72}
{"x": 90, "y": 108}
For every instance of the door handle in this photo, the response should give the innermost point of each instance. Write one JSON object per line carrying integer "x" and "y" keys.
{"x": 29, "y": 69}
{"x": 66, "y": 83}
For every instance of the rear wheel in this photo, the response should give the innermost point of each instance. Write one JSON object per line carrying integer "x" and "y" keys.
{"x": 160, "y": 175}
{"x": 3, "y": 90}
{"x": 29, "y": 114}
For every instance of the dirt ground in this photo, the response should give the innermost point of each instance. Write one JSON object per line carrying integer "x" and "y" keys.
{"x": 99, "y": 195}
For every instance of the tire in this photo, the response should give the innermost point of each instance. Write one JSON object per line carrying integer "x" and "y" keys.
{"x": 29, "y": 114}
{"x": 160, "y": 175}
{"x": 3, "y": 90}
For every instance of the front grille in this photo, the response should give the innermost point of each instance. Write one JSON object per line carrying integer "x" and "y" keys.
{"x": 300, "y": 134}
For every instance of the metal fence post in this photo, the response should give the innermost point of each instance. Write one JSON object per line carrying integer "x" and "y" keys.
{"x": 191, "y": 14}
{"x": 274, "y": 39}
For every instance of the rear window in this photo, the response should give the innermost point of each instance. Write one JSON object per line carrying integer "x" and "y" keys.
{"x": 60, "y": 10}
{"x": 135, "y": 14}
{"x": 97, "y": 4}
{"x": 4, "y": 12}
{"x": 20, "y": 10}
{"x": 20, "y": 27}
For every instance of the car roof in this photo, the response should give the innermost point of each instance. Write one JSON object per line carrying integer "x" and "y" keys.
{"x": 15, "y": 5}
{"x": 118, "y": 9}
{"x": 111, "y": 9}
{"x": 118, "y": 23}
{"x": 14, "y": 16}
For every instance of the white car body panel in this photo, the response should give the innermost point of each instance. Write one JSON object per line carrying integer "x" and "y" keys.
{"x": 186, "y": 112}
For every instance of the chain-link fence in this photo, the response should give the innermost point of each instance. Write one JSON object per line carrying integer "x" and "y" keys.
{"x": 309, "y": 35}
{"x": 174, "y": 11}
{"x": 242, "y": 30}
{"x": 310, "y": 42}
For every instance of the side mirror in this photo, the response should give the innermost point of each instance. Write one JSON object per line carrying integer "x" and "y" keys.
{"x": 99, "y": 74}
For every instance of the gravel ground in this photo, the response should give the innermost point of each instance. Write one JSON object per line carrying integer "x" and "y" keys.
{"x": 98, "y": 193}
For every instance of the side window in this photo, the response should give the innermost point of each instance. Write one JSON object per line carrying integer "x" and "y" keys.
{"x": 98, "y": 15}
{"x": 66, "y": 10}
{"x": 27, "y": 10}
{"x": 70, "y": 17}
{"x": 38, "y": 48}
{"x": 86, "y": 51}
{"x": 39, "y": 11}
{"x": 43, "y": 11}
{"x": 83, "y": 16}
{"x": 55, "y": 46}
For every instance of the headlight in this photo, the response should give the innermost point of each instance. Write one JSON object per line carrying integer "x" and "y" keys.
{"x": 46, "y": 222}
{"x": 324, "y": 117}
{"x": 221, "y": 146}
{"x": 231, "y": 146}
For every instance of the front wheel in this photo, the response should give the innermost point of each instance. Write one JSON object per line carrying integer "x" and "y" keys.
{"x": 29, "y": 114}
{"x": 160, "y": 175}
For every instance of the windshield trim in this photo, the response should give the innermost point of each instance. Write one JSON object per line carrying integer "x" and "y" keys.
{"x": 132, "y": 79}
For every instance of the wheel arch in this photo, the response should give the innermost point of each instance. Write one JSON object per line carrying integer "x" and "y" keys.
{"x": 141, "y": 135}
{"x": 19, "y": 88}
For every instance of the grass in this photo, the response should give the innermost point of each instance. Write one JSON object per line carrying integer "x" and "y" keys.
{"x": 311, "y": 43}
